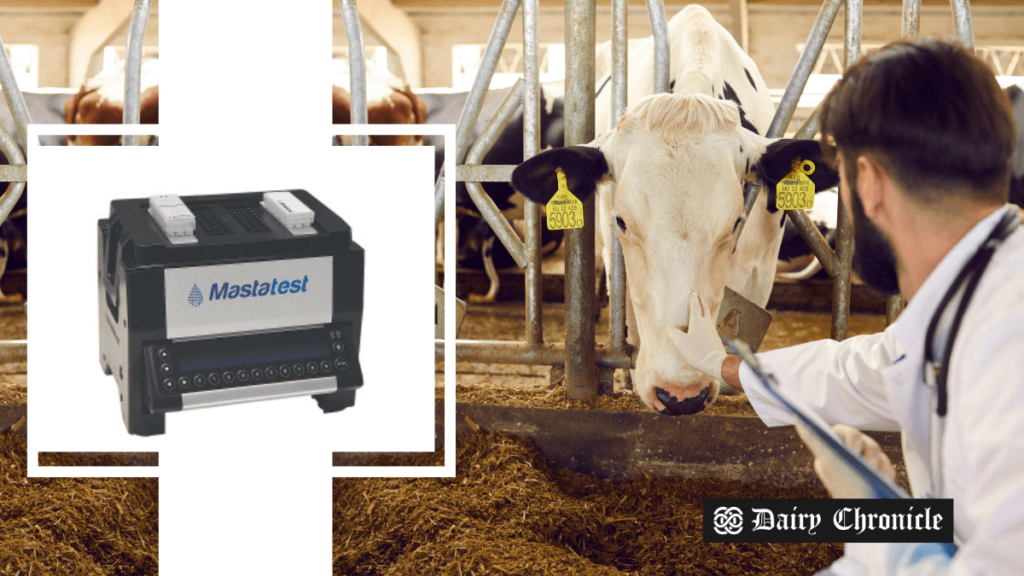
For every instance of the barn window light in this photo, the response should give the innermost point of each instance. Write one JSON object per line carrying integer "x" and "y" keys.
{"x": 113, "y": 58}
{"x": 25, "y": 61}
{"x": 376, "y": 59}
{"x": 466, "y": 60}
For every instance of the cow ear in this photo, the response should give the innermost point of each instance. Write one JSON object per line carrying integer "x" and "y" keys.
{"x": 584, "y": 167}
{"x": 776, "y": 161}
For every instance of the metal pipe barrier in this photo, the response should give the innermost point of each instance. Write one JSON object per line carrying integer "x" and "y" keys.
{"x": 543, "y": 354}
{"x": 10, "y": 149}
{"x": 659, "y": 28}
{"x": 15, "y": 101}
{"x": 8, "y": 145}
{"x": 580, "y": 373}
{"x": 841, "y": 286}
{"x": 489, "y": 61}
{"x": 439, "y": 197}
{"x": 962, "y": 21}
{"x": 620, "y": 75}
{"x": 132, "y": 111}
{"x": 797, "y": 82}
{"x": 911, "y": 18}
{"x": 356, "y": 68}
{"x": 911, "y": 26}
{"x": 579, "y": 354}
{"x": 484, "y": 203}
{"x": 531, "y": 147}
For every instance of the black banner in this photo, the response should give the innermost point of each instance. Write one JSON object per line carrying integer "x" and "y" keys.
{"x": 827, "y": 520}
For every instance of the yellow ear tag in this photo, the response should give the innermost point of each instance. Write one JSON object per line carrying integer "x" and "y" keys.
{"x": 564, "y": 210}
{"x": 796, "y": 190}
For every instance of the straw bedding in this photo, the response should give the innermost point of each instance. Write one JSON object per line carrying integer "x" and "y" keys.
{"x": 73, "y": 526}
{"x": 508, "y": 511}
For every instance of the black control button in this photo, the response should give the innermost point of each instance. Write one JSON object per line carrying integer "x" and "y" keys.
{"x": 325, "y": 365}
{"x": 341, "y": 364}
{"x": 338, "y": 347}
{"x": 199, "y": 381}
{"x": 256, "y": 374}
{"x": 228, "y": 377}
{"x": 163, "y": 354}
{"x": 243, "y": 376}
{"x": 311, "y": 367}
{"x": 285, "y": 371}
{"x": 166, "y": 369}
{"x": 214, "y": 378}
{"x": 271, "y": 372}
{"x": 299, "y": 369}
{"x": 168, "y": 384}
{"x": 183, "y": 382}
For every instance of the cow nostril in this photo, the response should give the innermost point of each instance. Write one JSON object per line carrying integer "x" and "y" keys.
{"x": 683, "y": 407}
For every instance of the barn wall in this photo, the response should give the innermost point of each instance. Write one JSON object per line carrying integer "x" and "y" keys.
{"x": 51, "y": 31}
{"x": 774, "y": 31}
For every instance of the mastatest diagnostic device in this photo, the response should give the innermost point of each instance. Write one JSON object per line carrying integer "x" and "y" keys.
{"x": 222, "y": 299}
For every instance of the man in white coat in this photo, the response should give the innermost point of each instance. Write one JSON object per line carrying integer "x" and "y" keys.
{"x": 922, "y": 136}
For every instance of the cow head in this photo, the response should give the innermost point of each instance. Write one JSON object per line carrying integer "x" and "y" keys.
{"x": 679, "y": 163}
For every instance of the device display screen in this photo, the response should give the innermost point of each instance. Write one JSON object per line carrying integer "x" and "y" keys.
{"x": 278, "y": 353}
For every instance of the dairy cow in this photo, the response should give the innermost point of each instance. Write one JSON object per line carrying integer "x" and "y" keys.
{"x": 680, "y": 162}
{"x": 389, "y": 100}
{"x": 101, "y": 101}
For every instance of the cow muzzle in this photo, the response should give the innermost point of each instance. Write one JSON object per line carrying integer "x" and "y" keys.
{"x": 685, "y": 400}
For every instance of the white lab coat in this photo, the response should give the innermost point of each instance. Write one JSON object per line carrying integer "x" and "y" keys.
{"x": 875, "y": 382}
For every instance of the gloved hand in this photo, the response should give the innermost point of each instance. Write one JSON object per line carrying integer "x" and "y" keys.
{"x": 839, "y": 479}
{"x": 700, "y": 345}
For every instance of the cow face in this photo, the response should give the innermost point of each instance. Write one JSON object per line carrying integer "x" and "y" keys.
{"x": 679, "y": 163}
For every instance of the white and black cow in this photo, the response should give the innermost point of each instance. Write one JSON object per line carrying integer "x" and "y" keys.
{"x": 478, "y": 248}
{"x": 680, "y": 162}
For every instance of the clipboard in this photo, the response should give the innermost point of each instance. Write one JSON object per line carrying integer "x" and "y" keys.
{"x": 880, "y": 485}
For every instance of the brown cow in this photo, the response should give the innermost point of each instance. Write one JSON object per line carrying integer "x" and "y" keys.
{"x": 389, "y": 100}
{"x": 101, "y": 101}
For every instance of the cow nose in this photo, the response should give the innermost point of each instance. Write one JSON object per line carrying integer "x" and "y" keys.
{"x": 684, "y": 407}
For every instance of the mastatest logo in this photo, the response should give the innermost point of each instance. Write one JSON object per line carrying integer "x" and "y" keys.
{"x": 255, "y": 289}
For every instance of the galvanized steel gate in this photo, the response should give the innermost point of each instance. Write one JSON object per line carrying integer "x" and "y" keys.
{"x": 16, "y": 174}
{"x": 579, "y": 353}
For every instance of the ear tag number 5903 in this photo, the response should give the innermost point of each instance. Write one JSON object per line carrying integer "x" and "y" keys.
{"x": 564, "y": 211}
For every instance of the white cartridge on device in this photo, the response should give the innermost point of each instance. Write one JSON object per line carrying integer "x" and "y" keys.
{"x": 173, "y": 217}
{"x": 289, "y": 211}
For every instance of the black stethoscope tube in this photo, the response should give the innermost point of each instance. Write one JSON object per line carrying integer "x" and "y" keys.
{"x": 971, "y": 273}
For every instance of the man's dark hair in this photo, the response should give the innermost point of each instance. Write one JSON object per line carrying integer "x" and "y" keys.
{"x": 931, "y": 113}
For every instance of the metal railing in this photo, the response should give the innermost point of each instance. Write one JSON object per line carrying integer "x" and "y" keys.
{"x": 579, "y": 353}
{"x": 132, "y": 113}
{"x": 16, "y": 175}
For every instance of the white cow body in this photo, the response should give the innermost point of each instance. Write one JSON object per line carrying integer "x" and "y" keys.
{"x": 680, "y": 162}
{"x": 703, "y": 58}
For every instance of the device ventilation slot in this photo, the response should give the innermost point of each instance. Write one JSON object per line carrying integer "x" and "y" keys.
{"x": 248, "y": 217}
{"x": 210, "y": 222}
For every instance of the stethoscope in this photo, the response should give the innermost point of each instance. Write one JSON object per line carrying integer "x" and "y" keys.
{"x": 936, "y": 370}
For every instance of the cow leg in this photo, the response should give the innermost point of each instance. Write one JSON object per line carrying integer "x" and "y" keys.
{"x": 5, "y": 253}
{"x": 492, "y": 274}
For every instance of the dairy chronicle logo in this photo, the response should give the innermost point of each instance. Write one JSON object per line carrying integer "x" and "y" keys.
{"x": 728, "y": 520}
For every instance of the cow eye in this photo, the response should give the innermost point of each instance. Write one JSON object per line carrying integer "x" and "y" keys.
{"x": 621, "y": 223}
